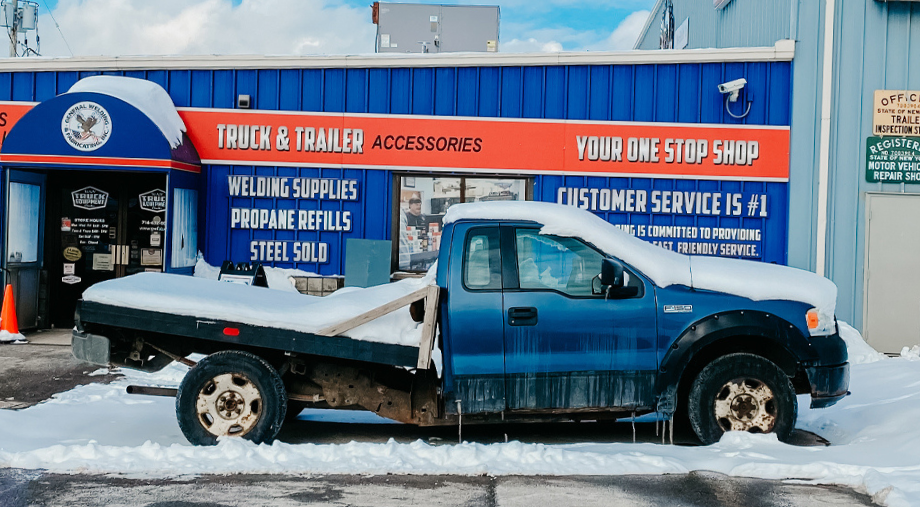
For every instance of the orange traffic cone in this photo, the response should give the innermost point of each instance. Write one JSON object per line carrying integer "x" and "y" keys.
{"x": 8, "y": 320}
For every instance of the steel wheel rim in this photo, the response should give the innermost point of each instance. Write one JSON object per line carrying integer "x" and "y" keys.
{"x": 228, "y": 405}
{"x": 746, "y": 404}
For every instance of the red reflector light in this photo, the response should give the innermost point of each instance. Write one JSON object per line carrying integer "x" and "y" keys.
{"x": 231, "y": 331}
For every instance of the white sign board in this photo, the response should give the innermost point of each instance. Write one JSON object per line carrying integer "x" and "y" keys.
{"x": 896, "y": 113}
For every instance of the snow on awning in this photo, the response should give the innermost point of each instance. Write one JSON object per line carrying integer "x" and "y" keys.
{"x": 103, "y": 122}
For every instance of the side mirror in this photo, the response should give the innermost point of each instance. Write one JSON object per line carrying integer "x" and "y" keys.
{"x": 612, "y": 273}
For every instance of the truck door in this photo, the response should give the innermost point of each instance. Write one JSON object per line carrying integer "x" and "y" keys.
{"x": 568, "y": 346}
{"x": 474, "y": 342}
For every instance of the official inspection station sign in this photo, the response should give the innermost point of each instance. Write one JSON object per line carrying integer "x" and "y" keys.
{"x": 896, "y": 113}
{"x": 892, "y": 160}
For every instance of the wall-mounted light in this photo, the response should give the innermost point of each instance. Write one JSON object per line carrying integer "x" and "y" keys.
{"x": 243, "y": 102}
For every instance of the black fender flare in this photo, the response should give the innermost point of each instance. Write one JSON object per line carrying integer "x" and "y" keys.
{"x": 774, "y": 338}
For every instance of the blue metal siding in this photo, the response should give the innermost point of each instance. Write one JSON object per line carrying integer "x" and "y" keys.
{"x": 741, "y": 23}
{"x": 877, "y": 47}
{"x": 661, "y": 93}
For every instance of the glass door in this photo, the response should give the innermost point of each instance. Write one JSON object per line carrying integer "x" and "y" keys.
{"x": 25, "y": 214}
{"x": 102, "y": 225}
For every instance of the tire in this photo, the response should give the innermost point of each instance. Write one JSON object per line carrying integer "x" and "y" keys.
{"x": 741, "y": 392}
{"x": 231, "y": 393}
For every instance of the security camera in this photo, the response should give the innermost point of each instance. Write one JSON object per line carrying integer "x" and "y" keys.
{"x": 732, "y": 88}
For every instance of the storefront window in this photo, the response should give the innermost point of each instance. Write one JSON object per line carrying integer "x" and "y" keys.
{"x": 185, "y": 228}
{"x": 423, "y": 201}
{"x": 23, "y": 242}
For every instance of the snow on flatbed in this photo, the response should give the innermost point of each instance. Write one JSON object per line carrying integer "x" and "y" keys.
{"x": 875, "y": 446}
{"x": 211, "y": 299}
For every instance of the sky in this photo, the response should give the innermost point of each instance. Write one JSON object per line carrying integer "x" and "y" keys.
{"x": 301, "y": 27}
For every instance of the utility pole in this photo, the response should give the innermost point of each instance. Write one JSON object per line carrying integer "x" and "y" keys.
{"x": 14, "y": 29}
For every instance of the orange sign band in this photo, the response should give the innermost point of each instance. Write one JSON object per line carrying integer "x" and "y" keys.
{"x": 495, "y": 145}
{"x": 489, "y": 144}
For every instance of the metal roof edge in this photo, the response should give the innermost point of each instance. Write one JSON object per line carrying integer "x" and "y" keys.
{"x": 648, "y": 23}
{"x": 782, "y": 51}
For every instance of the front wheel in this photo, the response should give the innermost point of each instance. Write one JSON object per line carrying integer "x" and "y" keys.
{"x": 231, "y": 393}
{"x": 741, "y": 392}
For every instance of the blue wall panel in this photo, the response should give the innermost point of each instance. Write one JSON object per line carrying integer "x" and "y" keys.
{"x": 445, "y": 83}
{"x": 45, "y": 86}
{"x": 511, "y": 92}
{"x": 532, "y": 94}
{"x": 665, "y": 93}
{"x": 489, "y": 91}
{"x": 688, "y": 93}
{"x": 600, "y": 93}
{"x": 356, "y": 91}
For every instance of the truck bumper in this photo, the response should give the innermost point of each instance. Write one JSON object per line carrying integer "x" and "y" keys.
{"x": 90, "y": 348}
{"x": 829, "y": 384}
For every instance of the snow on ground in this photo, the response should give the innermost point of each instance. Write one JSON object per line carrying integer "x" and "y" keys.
{"x": 6, "y": 336}
{"x": 100, "y": 429}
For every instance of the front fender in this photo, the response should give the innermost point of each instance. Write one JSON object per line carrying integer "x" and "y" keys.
{"x": 756, "y": 331}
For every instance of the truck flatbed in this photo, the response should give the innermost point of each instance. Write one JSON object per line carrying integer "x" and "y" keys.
{"x": 238, "y": 333}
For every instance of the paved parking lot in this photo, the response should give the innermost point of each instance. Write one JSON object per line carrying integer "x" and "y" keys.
{"x": 20, "y": 488}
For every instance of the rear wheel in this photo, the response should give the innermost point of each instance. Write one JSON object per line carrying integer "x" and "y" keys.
{"x": 231, "y": 393}
{"x": 741, "y": 392}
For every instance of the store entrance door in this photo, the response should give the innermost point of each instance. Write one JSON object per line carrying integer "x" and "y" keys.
{"x": 25, "y": 207}
{"x": 101, "y": 225}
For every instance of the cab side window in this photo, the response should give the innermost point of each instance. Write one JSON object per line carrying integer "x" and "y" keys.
{"x": 482, "y": 261}
{"x": 550, "y": 262}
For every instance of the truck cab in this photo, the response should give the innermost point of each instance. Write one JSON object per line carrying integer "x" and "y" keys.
{"x": 531, "y": 325}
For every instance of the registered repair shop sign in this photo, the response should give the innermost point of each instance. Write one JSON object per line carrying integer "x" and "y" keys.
{"x": 892, "y": 160}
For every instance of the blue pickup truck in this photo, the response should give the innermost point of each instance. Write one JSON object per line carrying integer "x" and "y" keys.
{"x": 541, "y": 312}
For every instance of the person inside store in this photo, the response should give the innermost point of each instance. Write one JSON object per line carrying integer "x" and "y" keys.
{"x": 415, "y": 218}
{"x": 410, "y": 216}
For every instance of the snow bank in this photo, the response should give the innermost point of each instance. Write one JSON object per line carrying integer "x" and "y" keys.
{"x": 858, "y": 351}
{"x": 753, "y": 280}
{"x": 8, "y": 337}
{"x": 147, "y": 96}
{"x": 210, "y": 299}
{"x": 875, "y": 446}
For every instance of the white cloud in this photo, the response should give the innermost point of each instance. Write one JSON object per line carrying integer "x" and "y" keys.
{"x": 270, "y": 27}
{"x": 530, "y": 45}
{"x": 545, "y": 40}
{"x": 624, "y": 36}
{"x": 166, "y": 27}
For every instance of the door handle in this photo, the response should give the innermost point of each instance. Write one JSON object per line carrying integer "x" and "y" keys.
{"x": 522, "y": 316}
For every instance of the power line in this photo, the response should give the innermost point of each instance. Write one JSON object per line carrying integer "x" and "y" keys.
{"x": 58, "y": 27}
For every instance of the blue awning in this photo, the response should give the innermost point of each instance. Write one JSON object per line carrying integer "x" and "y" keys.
{"x": 105, "y": 129}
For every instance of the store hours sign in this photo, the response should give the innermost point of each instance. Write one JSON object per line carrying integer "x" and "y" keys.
{"x": 296, "y": 218}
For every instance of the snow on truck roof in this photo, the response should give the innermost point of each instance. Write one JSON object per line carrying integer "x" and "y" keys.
{"x": 147, "y": 96}
{"x": 754, "y": 280}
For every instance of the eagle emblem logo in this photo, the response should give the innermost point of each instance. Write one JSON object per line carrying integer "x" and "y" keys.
{"x": 86, "y": 126}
